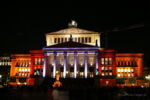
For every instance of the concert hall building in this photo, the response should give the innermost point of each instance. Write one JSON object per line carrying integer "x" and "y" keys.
{"x": 77, "y": 53}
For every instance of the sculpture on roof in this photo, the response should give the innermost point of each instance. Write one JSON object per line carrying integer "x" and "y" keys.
{"x": 73, "y": 23}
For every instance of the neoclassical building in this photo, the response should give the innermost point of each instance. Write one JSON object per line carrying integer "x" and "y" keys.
{"x": 77, "y": 53}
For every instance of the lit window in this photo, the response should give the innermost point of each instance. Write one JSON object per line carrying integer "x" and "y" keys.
{"x": 106, "y": 61}
{"x": 25, "y": 70}
{"x": 103, "y": 68}
{"x": 121, "y": 70}
{"x": 132, "y": 70}
{"x": 102, "y": 74}
{"x": 118, "y": 70}
{"x": 81, "y": 74}
{"x": 128, "y": 70}
{"x": 19, "y": 74}
{"x": 106, "y": 68}
{"x": 20, "y": 70}
{"x": 110, "y": 68}
{"x": 128, "y": 75}
{"x": 22, "y": 74}
{"x": 110, "y": 74}
{"x": 125, "y": 70}
{"x": 110, "y": 61}
{"x": 28, "y": 69}
{"x": 102, "y": 61}
{"x": 118, "y": 75}
{"x": 106, "y": 73}
{"x": 132, "y": 75}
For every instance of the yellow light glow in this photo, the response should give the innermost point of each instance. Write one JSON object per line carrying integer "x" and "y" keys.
{"x": 118, "y": 70}
{"x": 129, "y": 75}
{"x": 121, "y": 70}
{"x": 23, "y": 70}
{"x": 118, "y": 75}
{"x": 125, "y": 70}
{"x": 129, "y": 70}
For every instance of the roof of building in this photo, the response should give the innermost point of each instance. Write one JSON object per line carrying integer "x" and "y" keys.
{"x": 73, "y": 30}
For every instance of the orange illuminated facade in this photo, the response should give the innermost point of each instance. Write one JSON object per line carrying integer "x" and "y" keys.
{"x": 25, "y": 66}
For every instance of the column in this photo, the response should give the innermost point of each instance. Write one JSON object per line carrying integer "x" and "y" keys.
{"x": 96, "y": 54}
{"x": 75, "y": 65}
{"x": 65, "y": 64}
{"x": 86, "y": 64}
{"x": 44, "y": 67}
{"x": 54, "y": 65}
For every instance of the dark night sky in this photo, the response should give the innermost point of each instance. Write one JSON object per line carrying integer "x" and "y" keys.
{"x": 23, "y": 28}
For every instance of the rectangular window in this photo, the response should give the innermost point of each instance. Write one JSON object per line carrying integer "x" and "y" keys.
{"x": 62, "y": 40}
{"x": 78, "y": 39}
{"x": 106, "y": 61}
{"x": 55, "y": 40}
{"x": 58, "y": 40}
{"x": 102, "y": 61}
{"x": 89, "y": 39}
{"x": 85, "y": 39}
{"x": 110, "y": 61}
{"x": 82, "y": 39}
{"x": 65, "y": 39}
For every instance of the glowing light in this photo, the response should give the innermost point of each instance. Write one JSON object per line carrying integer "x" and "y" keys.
{"x": 28, "y": 69}
{"x": 20, "y": 70}
{"x": 121, "y": 70}
{"x": 66, "y": 72}
{"x": 118, "y": 70}
{"x": 110, "y": 74}
{"x": 102, "y": 74}
{"x": 118, "y": 75}
{"x": 0, "y": 76}
{"x": 128, "y": 70}
{"x": 129, "y": 75}
{"x": 132, "y": 70}
{"x": 125, "y": 70}
{"x": 23, "y": 70}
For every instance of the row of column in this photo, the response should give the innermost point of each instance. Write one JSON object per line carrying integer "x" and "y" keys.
{"x": 65, "y": 64}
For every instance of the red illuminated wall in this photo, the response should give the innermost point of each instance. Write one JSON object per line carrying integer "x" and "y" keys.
{"x": 107, "y": 54}
{"x": 37, "y": 61}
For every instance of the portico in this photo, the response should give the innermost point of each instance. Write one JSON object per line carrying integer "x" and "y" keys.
{"x": 71, "y": 60}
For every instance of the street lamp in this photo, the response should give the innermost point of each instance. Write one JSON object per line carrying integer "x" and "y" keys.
{"x": 0, "y": 76}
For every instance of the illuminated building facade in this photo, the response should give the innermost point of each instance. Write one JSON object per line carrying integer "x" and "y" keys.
{"x": 71, "y": 59}
{"x": 77, "y": 53}
{"x": 25, "y": 67}
{"x": 5, "y": 63}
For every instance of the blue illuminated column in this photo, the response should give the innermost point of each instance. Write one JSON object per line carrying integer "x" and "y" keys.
{"x": 44, "y": 68}
{"x": 65, "y": 64}
{"x": 54, "y": 67}
{"x": 96, "y": 54}
{"x": 86, "y": 64}
{"x": 75, "y": 65}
